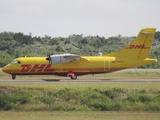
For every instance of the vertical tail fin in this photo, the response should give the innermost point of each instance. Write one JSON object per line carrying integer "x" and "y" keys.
{"x": 140, "y": 47}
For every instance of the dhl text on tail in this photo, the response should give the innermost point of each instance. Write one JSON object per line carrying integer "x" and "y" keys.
{"x": 134, "y": 54}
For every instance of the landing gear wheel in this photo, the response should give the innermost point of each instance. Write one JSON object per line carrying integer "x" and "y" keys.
{"x": 74, "y": 77}
{"x": 13, "y": 77}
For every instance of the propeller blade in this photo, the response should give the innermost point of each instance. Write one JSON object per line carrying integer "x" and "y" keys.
{"x": 49, "y": 58}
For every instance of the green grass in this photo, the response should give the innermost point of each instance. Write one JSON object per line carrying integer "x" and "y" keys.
{"x": 73, "y": 97}
{"x": 42, "y": 115}
{"x": 132, "y": 74}
{"x": 3, "y": 74}
{"x": 140, "y": 99}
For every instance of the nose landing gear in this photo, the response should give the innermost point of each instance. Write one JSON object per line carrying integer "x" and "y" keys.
{"x": 13, "y": 76}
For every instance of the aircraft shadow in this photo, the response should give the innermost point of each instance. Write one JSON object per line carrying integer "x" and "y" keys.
{"x": 87, "y": 80}
{"x": 106, "y": 79}
{"x": 51, "y": 80}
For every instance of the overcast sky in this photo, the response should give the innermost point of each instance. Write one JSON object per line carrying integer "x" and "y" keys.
{"x": 88, "y": 17}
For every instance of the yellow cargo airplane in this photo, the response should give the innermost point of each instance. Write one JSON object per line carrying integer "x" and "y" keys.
{"x": 135, "y": 54}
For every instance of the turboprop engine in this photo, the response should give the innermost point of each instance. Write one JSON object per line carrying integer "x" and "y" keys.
{"x": 62, "y": 58}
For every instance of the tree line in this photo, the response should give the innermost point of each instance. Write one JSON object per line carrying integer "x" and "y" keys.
{"x": 13, "y": 45}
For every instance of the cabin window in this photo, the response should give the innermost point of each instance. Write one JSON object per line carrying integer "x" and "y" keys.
{"x": 18, "y": 62}
{"x": 15, "y": 62}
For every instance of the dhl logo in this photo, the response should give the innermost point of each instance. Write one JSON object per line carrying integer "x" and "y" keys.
{"x": 36, "y": 68}
{"x": 137, "y": 47}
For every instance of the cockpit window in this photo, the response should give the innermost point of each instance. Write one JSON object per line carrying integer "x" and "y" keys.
{"x": 15, "y": 62}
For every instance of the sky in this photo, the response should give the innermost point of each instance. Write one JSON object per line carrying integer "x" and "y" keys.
{"x": 61, "y": 18}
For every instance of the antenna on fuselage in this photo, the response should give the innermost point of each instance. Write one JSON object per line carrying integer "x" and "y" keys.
{"x": 99, "y": 54}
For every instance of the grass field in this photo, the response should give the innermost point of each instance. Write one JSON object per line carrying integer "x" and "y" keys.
{"x": 39, "y": 115}
{"x": 81, "y": 115}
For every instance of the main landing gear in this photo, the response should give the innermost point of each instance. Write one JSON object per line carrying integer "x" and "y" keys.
{"x": 72, "y": 76}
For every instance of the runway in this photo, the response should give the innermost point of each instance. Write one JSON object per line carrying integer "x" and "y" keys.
{"x": 82, "y": 80}
{"x": 88, "y": 80}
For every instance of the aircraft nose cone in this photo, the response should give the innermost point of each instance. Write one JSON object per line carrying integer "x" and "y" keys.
{"x": 3, "y": 69}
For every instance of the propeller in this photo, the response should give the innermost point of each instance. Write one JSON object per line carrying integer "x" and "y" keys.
{"x": 49, "y": 58}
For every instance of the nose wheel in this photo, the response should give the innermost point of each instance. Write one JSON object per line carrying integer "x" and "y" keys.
{"x": 13, "y": 77}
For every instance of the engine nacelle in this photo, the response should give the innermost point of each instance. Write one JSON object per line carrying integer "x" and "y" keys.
{"x": 64, "y": 58}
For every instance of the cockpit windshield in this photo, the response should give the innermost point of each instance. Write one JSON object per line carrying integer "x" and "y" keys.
{"x": 15, "y": 62}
